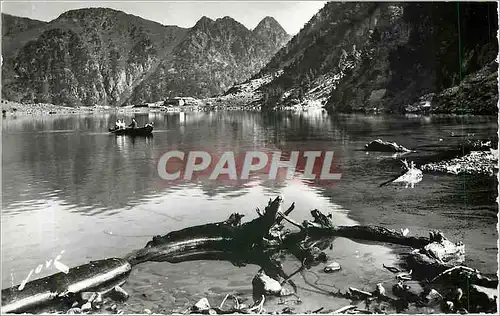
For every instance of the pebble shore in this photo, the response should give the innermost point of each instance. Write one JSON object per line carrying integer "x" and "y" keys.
{"x": 10, "y": 108}
{"x": 476, "y": 162}
{"x": 14, "y": 108}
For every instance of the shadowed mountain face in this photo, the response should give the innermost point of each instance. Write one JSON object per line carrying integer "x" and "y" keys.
{"x": 212, "y": 57}
{"x": 13, "y": 25}
{"x": 107, "y": 57}
{"x": 359, "y": 56}
{"x": 16, "y": 31}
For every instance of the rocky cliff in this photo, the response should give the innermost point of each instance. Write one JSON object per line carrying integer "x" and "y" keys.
{"x": 107, "y": 57}
{"x": 16, "y": 31}
{"x": 213, "y": 56}
{"x": 385, "y": 56}
{"x": 270, "y": 30}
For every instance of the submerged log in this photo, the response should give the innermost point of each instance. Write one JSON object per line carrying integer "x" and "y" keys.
{"x": 97, "y": 276}
{"x": 260, "y": 242}
{"x": 243, "y": 244}
{"x": 371, "y": 233}
{"x": 217, "y": 240}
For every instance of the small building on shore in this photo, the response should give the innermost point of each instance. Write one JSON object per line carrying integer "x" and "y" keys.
{"x": 181, "y": 101}
{"x": 177, "y": 101}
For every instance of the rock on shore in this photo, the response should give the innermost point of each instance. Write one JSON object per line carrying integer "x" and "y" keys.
{"x": 383, "y": 146}
{"x": 476, "y": 162}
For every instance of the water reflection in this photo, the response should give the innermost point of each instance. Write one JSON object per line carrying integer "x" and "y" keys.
{"x": 74, "y": 157}
{"x": 66, "y": 181}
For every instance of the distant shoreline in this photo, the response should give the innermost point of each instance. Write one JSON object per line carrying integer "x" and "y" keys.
{"x": 14, "y": 109}
{"x": 10, "y": 108}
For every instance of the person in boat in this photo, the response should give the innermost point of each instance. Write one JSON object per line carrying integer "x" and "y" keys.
{"x": 149, "y": 124}
{"x": 119, "y": 124}
{"x": 133, "y": 124}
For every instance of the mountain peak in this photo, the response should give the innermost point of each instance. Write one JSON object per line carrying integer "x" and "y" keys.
{"x": 203, "y": 23}
{"x": 226, "y": 18}
{"x": 211, "y": 56}
{"x": 231, "y": 22}
{"x": 270, "y": 29}
{"x": 227, "y": 22}
{"x": 269, "y": 23}
{"x": 205, "y": 19}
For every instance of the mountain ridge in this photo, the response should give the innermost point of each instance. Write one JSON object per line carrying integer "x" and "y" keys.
{"x": 383, "y": 57}
{"x": 13, "y": 24}
{"x": 127, "y": 59}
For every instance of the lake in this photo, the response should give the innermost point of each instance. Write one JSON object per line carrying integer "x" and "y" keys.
{"x": 69, "y": 185}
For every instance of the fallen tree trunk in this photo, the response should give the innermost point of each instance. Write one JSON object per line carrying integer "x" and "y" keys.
{"x": 261, "y": 241}
{"x": 243, "y": 244}
{"x": 101, "y": 276}
{"x": 252, "y": 242}
{"x": 228, "y": 236}
{"x": 371, "y": 233}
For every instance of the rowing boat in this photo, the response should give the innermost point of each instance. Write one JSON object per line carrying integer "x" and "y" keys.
{"x": 139, "y": 131}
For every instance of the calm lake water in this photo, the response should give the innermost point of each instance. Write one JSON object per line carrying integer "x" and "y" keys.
{"x": 69, "y": 185}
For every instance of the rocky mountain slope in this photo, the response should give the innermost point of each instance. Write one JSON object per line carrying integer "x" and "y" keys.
{"x": 16, "y": 31}
{"x": 270, "y": 29}
{"x": 13, "y": 25}
{"x": 385, "y": 56}
{"x": 212, "y": 57}
{"x": 107, "y": 57}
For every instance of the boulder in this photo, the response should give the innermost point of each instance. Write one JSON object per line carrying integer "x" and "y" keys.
{"x": 97, "y": 301}
{"x": 437, "y": 256}
{"x": 433, "y": 297}
{"x": 265, "y": 285}
{"x": 88, "y": 296}
{"x": 407, "y": 292}
{"x": 377, "y": 95}
{"x": 119, "y": 294}
{"x": 74, "y": 311}
{"x": 444, "y": 250}
{"x": 332, "y": 267}
{"x": 201, "y": 306}
{"x": 382, "y": 146}
{"x": 113, "y": 308}
{"x": 86, "y": 307}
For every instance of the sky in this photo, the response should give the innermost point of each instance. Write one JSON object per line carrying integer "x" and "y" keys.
{"x": 292, "y": 15}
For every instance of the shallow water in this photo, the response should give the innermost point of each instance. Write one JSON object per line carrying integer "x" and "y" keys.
{"x": 68, "y": 185}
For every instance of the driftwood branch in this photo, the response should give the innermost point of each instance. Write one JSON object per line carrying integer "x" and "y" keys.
{"x": 286, "y": 213}
{"x": 249, "y": 243}
{"x": 291, "y": 221}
